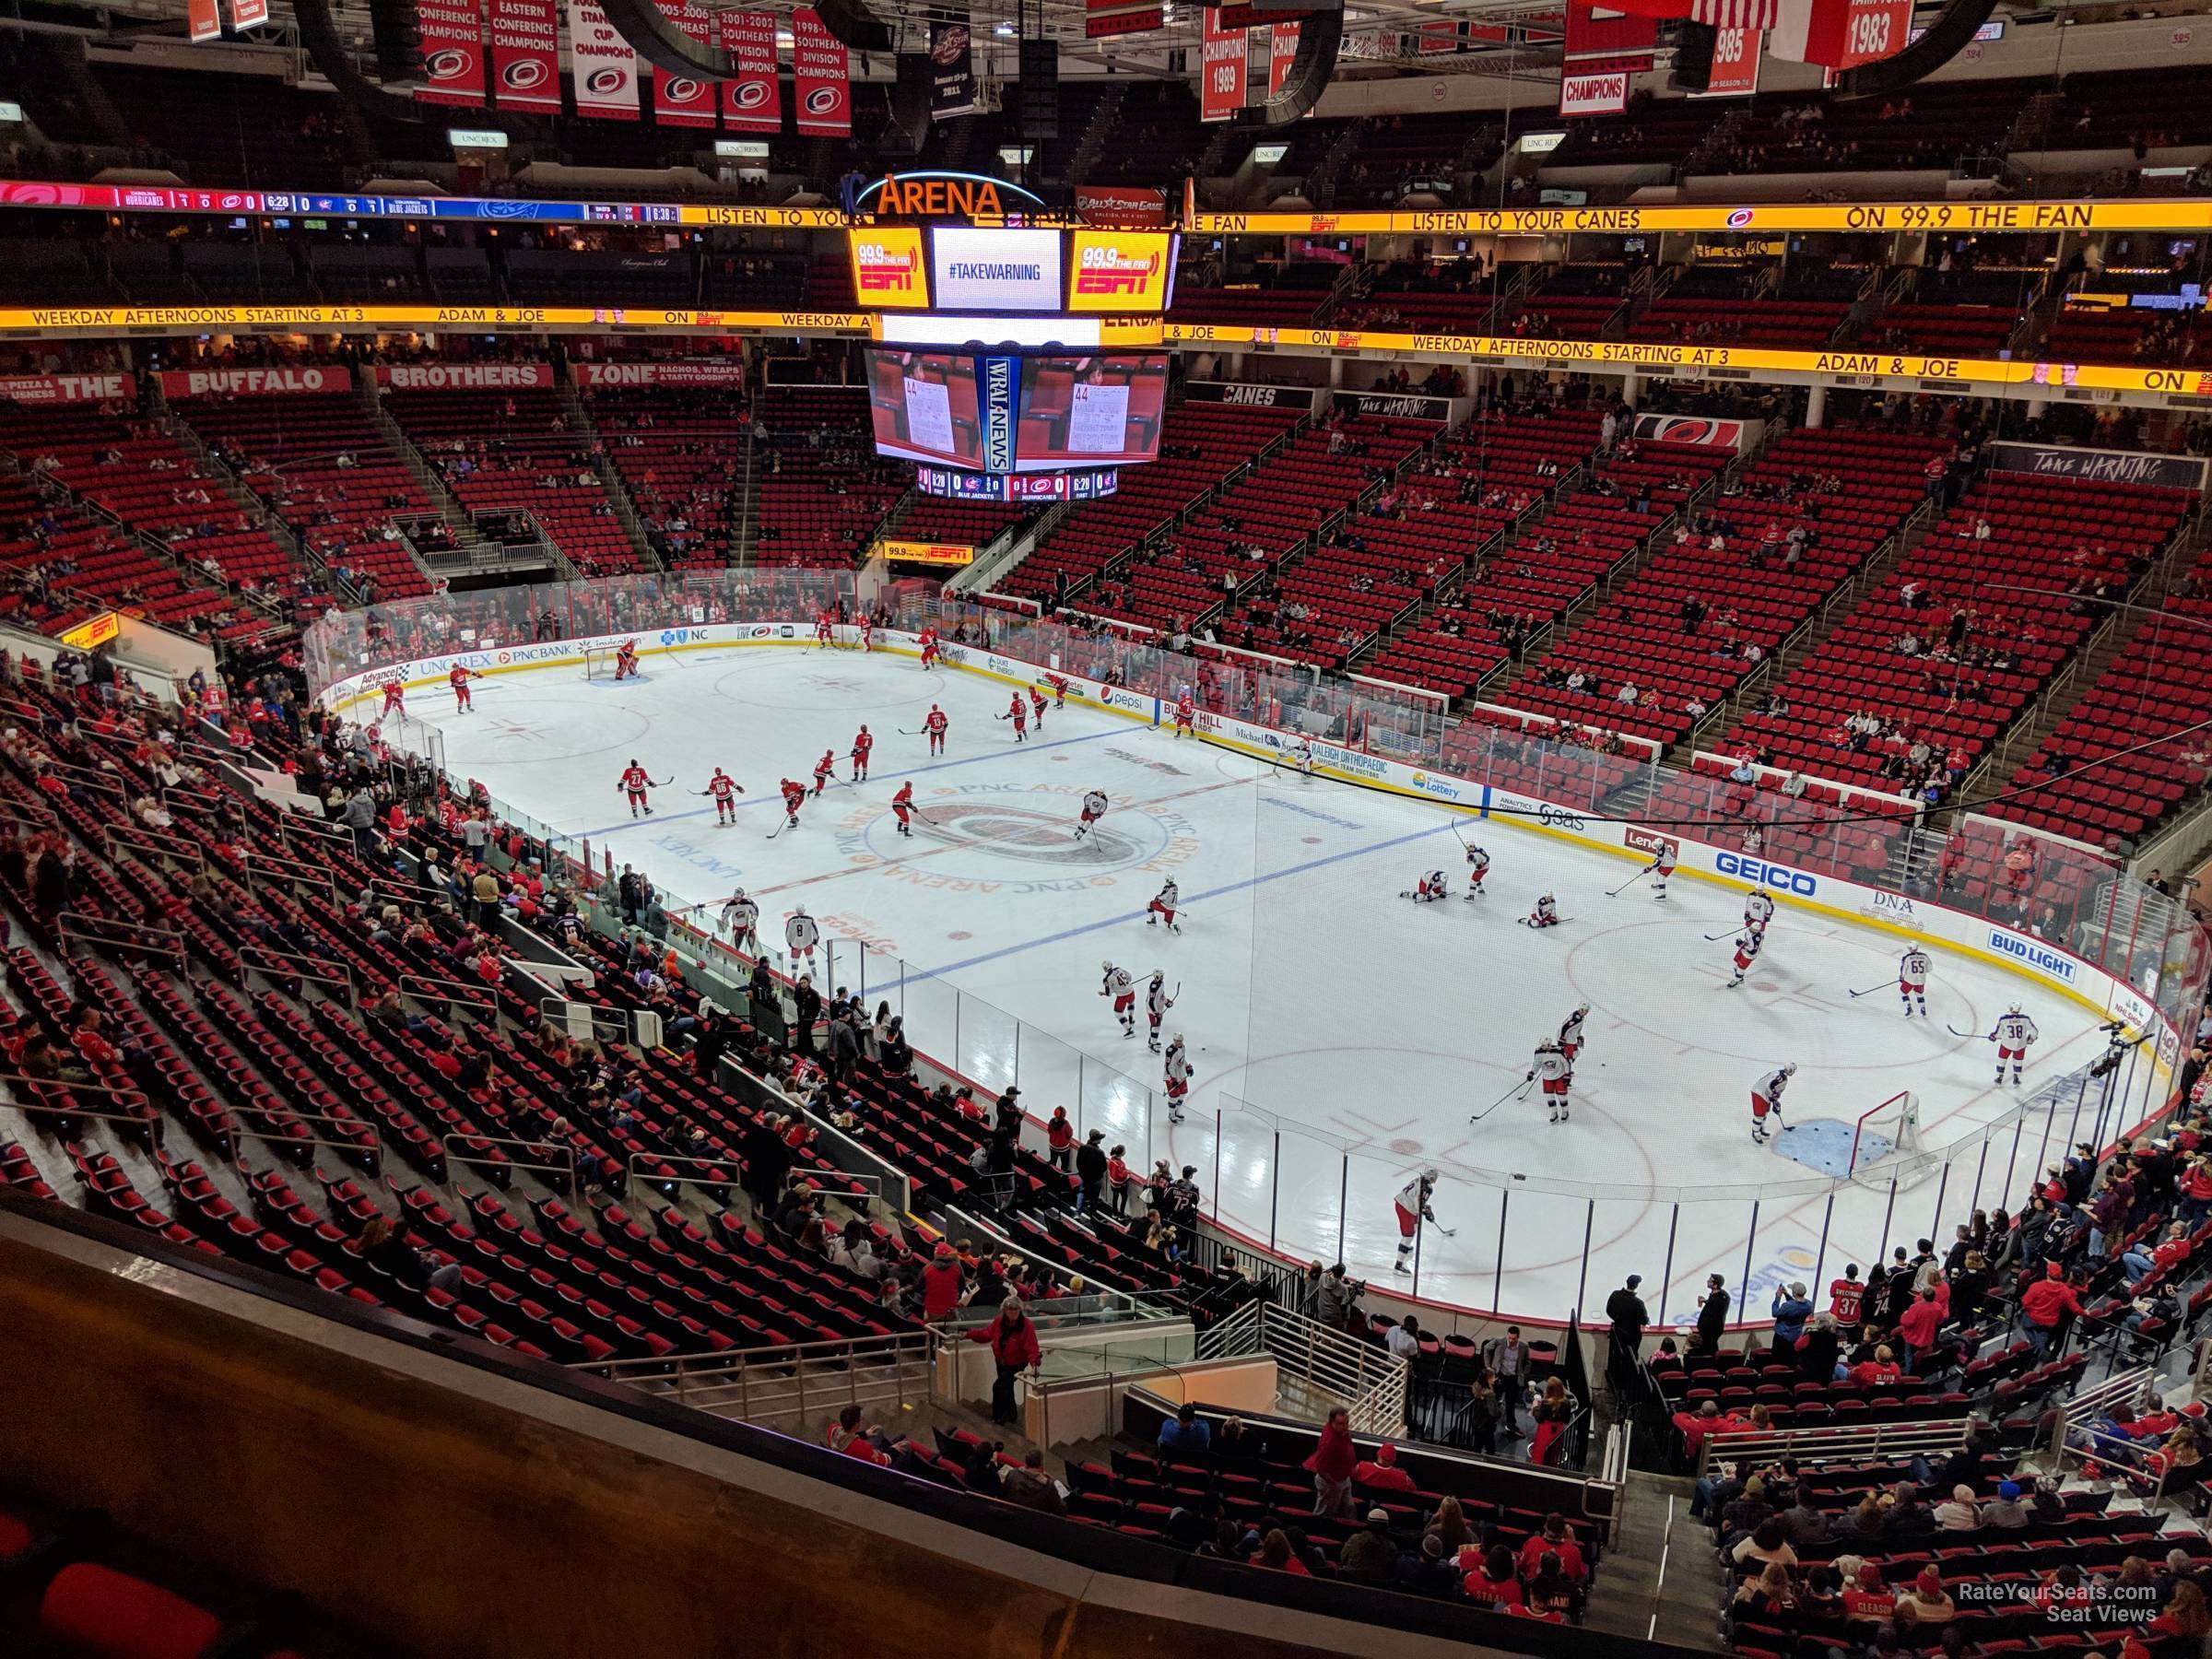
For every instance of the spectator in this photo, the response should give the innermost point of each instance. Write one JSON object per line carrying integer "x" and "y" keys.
{"x": 1013, "y": 1343}
{"x": 2045, "y": 1307}
{"x": 1030, "y": 1487}
{"x": 1959, "y": 1512}
{"x": 1791, "y": 1309}
{"x": 1768, "y": 1545}
{"x": 1090, "y": 1170}
{"x": 1926, "y": 1603}
{"x": 1767, "y": 1598}
{"x": 1333, "y": 1464}
{"x": 1802, "y": 1522}
{"x": 1185, "y": 1434}
{"x": 1371, "y": 1554}
{"x": 1712, "y": 1316}
{"x": 1383, "y": 1471}
{"x": 1275, "y": 1552}
{"x": 1554, "y": 1540}
{"x": 1489, "y": 1579}
{"x": 2006, "y": 1510}
{"x": 941, "y": 1282}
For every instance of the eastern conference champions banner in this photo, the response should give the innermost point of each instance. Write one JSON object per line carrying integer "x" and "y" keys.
{"x": 451, "y": 33}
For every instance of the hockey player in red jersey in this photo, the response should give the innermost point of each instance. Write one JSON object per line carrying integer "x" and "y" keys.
{"x": 458, "y": 678}
{"x": 902, "y": 806}
{"x": 864, "y": 743}
{"x": 824, "y": 770}
{"x": 1058, "y": 682}
{"x": 634, "y": 782}
{"x": 724, "y": 789}
{"x": 1186, "y": 716}
{"x": 794, "y": 795}
{"x": 396, "y": 700}
{"x": 934, "y": 724}
{"x": 825, "y": 627}
{"x": 868, "y": 633}
{"x": 929, "y": 648}
{"x": 626, "y": 660}
{"x": 1037, "y": 707}
{"x": 1018, "y": 713}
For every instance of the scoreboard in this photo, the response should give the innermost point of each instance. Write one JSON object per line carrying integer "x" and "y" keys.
{"x": 994, "y": 271}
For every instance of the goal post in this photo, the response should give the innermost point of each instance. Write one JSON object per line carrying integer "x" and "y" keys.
{"x": 599, "y": 661}
{"x": 1886, "y": 1140}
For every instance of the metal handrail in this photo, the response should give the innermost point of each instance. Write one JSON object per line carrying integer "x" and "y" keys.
{"x": 1823, "y": 1445}
{"x": 777, "y": 1382}
{"x": 445, "y": 1145}
{"x": 70, "y": 924}
{"x": 152, "y": 843}
{"x": 249, "y": 956}
{"x": 473, "y": 997}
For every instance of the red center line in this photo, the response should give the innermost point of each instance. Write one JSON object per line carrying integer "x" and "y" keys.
{"x": 892, "y": 864}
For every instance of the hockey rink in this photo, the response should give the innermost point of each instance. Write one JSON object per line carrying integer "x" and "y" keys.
{"x": 1340, "y": 1035}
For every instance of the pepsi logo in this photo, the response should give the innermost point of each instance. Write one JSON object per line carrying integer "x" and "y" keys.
{"x": 825, "y": 100}
{"x": 680, "y": 90}
{"x": 605, "y": 83}
{"x": 450, "y": 65}
{"x": 1739, "y": 219}
{"x": 751, "y": 95}
{"x": 523, "y": 74}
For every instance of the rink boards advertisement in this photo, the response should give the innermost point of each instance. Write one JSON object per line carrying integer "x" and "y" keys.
{"x": 2049, "y": 964}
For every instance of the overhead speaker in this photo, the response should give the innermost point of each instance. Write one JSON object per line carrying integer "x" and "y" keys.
{"x": 397, "y": 41}
{"x": 318, "y": 34}
{"x": 1694, "y": 45}
{"x": 1319, "y": 40}
{"x": 648, "y": 31}
{"x": 1939, "y": 45}
{"x": 910, "y": 105}
{"x": 852, "y": 22}
{"x": 1040, "y": 90}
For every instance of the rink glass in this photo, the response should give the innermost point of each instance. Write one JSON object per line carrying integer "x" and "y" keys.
{"x": 1522, "y": 1236}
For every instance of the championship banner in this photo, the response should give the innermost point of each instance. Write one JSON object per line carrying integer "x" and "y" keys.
{"x": 1840, "y": 34}
{"x": 1222, "y": 70}
{"x": 1102, "y": 19}
{"x": 253, "y": 382}
{"x": 67, "y": 388}
{"x": 821, "y": 77}
{"x": 202, "y": 21}
{"x": 451, "y": 37}
{"x": 1597, "y": 93}
{"x": 601, "y": 64}
{"x": 682, "y": 371}
{"x": 525, "y": 54}
{"x": 1282, "y": 52}
{"x": 1736, "y": 54}
{"x": 465, "y": 377}
{"x": 752, "y": 101}
{"x": 685, "y": 99}
{"x": 951, "y": 68}
{"x": 249, "y": 14}
{"x": 1615, "y": 39}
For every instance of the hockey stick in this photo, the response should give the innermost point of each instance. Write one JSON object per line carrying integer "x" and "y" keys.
{"x": 1871, "y": 989}
{"x": 1449, "y": 1233}
{"x": 779, "y": 829}
{"x": 1727, "y": 933}
{"x": 918, "y": 732}
{"x": 1632, "y": 881}
{"x": 1556, "y": 922}
{"x": 1985, "y": 1036}
{"x": 1513, "y": 1093}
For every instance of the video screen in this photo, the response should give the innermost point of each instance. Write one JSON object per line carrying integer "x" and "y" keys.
{"x": 923, "y": 407}
{"x": 1090, "y": 411}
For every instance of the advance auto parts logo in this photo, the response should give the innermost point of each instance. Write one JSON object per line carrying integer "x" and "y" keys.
{"x": 993, "y": 838}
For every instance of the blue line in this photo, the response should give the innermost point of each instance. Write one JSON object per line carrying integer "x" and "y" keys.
{"x": 1234, "y": 887}
{"x": 766, "y": 798}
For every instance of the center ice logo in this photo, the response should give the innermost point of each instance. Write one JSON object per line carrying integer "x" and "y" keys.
{"x": 991, "y": 838}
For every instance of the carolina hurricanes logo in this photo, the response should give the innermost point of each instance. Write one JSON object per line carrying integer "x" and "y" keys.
{"x": 684, "y": 91}
{"x": 523, "y": 74}
{"x": 1684, "y": 428}
{"x": 451, "y": 64}
{"x": 1739, "y": 219}
{"x": 751, "y": 95}
{"x": 605, "y": 83}
{"x": 825, "y": 100}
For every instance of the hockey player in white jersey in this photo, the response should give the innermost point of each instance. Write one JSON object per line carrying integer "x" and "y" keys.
{"x": 1748, "y": 945}
{"x": 800, "y": 936}
{"x": 1570, "y": 1032}
{"x": 1094, "y": 808}
{"x": 1413, "y": 1209}
{"x": 1766, "y": 1101}
{"x": 1913, "y": 980}
{"x": 1554, "y": 1067}
{"x": 1164, "y": 905}
{"x": 1302, "y": 756}
{"x": 1662, "y": 866}
{"x": 1758, "y": 909}
{"x": 741, "y": 920}
{"x": 1156, "y": 1004}
{"x": 1120, "y": 986}
{"x": 1478, "y": 866}
{"x": 2014, "y": 1032}
{"x": 1546, "y": 914}
{"x": 1429, "y": 889}
{"x": 1176, "y": 1071}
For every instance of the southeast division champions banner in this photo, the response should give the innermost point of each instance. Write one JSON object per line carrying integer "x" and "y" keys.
{"x": 685, "y": 99}
{"x": 451, "y": 37}
{"x": 1221, "y": 69}
{"x": 601, "y": 64}
{"x": 752, "y": 101}
{"x": 525, "y": 54}
{"x": 952, "y": 69}
{"x": 821, "y": 77}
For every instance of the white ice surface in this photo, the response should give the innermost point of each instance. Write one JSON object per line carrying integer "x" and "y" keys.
{"x": 1316, "y": 1004}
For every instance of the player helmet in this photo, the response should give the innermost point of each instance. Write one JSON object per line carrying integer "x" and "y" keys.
{"x": 738, "y": 894}
{"x": 1158, "y": 974}
{"x": 1429, "y": 1176}
{"x": 2014, "y": 1009}
{"x": 1105, "y": 966}
{"x": 1582, "y": 1008}
{"x": 1790, "y": 1070}
{"x": 633, "y": 760}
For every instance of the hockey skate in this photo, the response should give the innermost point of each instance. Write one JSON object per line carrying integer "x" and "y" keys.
{"x": 1153, "y": 1044}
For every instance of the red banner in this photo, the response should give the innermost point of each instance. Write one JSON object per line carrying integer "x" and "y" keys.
{"x": 1102, "y": 19}
{"x": 1282, "y": 50}
{"x": 255, "y": 382}
{"x": 1135, "y": 206}
{"x": 451, "y": 37}
{"x": 1621, "y": 40}
{"x": 249, "y": 14}
{"x": 685, "y": 99}
{"x": 689, "y": 371}
{"x": 525, "y": 54}
{"x": 1222, "y": 70}
{"x": 203, "y": 22}
{"x": 821, "y": 76}
{"x": 1735, "y": 64}
{"x": 751, "y": 101}
{"x": 1840, "y": 34}
{"x": 1437, "y": 38}
{"x": 465, "y": 377}
{"x": 67, "y": 388}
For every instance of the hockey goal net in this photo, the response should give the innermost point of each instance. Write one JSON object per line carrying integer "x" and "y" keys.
{"x": 1886, "y": 1141}
{"x": 599, "y": 661}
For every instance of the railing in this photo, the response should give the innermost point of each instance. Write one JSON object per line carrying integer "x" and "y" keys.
{"x": 798, "y": 1380}
{"x": 1370, "y": 1381}
{"x": 1861, "y": 1442}
{"x": 83, "y": 927}
{"x": 543, "y": 1160}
